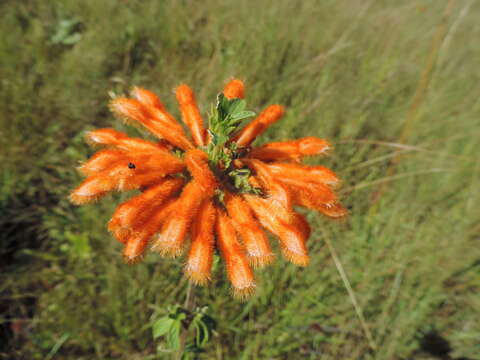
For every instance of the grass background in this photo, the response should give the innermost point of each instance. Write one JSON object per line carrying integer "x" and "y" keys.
{"x": 347, "y": 71}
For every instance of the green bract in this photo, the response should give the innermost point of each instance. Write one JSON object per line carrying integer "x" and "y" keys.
{"x": 225, "y": 118}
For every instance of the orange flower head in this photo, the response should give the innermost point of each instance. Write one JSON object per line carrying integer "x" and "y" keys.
{"x": 212, "y": 192}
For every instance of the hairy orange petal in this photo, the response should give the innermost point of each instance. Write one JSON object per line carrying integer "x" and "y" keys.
{"x": 235, "y": 89}
{"x": 101, "y": 183}
{"x": 101, "y": 160}
{"x": 135, "y": 247}
{"x": 293, "y": 241}
{"x": 137, "y": 210}
{"x": 290, "y": 231}
{"x": 162, "y": 116}
{"x": 173, "y": 135}
{"x": 313, "y": 146}
{"x": 130, "y": 109}
{"x": 200, "y": 256}
{"x": 139, "y": 145}
{"x": 290, "y": 150}
{"x": 122, "y": 141}
{"x": 281, "y": 194}
{"x": 147, "y": 169}
{"x": 335, "y": 211}
{"x": 157, "y": 121}
{"x": 270, "y": 115}
{"x": 89, "y": 191}
{"x": 276, "y": 190}
{"x": 139, "y": 181}
{"x": 256, "y": 243}
{"x": 239, "y": 272}
{"x": 285, "y": 150}
{"x": 172, "y": 236}
{"x": 310, "y": 193}
{"x": 162, "y": 163}
{"x": 315, "y": 174}
{"x": 315, "y": 199}
{"x": 197, "y": 164}
{"x": 191, "y": 114}
{"x": 137, "y": 241}
{"x": 147, "y": 97}
{"x": 105, "y": 136}
{"x": 274, "y": 208}
{"x": 92, "y": 189}
{"x": 301, "y": 223}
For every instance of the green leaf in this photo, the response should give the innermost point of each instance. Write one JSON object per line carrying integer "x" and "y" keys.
{"x": 242, "y": 115}
{"x": 203, "y": 333}
{"x": 162, "y": 326}
{"x": 223, "y": 121}
{"x": 173, "y": 336}
{"x": 66, "y": 32}
{"x": 204, "y": 326}
{"x": 214, "y": 137}
{"x": 235, "y": 106}
{"x": 72, "y": 39}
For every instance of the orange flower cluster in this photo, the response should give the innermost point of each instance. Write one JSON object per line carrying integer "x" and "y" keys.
{"x": 188, "y": 191}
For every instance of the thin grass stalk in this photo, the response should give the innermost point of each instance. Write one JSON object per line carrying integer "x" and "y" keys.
{"x": 351, "y": 293}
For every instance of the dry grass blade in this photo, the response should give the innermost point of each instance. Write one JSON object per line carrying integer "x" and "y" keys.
{"x": 388, "y": 179}
{"x": 351, "y": 293}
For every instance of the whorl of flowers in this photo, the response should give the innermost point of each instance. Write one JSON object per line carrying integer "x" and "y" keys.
{"x": 213, "y": 191}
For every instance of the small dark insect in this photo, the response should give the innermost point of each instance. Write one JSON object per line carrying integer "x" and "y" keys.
{"x": 131, "y": 165}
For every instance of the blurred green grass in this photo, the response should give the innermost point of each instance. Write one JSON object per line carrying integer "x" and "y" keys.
{"x": 346, "y": 71}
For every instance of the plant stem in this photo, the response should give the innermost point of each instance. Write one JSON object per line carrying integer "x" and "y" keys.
{"x": 188, "y": 305}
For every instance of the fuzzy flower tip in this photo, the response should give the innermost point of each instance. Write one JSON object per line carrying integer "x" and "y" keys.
{"x": 211, "y": 190}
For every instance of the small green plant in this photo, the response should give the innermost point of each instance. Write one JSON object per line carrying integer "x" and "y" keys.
{"x": 67, "y": 32}
{"x": 178, "y": 323}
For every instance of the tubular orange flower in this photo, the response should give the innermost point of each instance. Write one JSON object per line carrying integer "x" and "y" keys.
{"x": 190, "y": 113}
{"x": 269, "y": 116}
{"x": 147, "y": 98}
{"x": 256, "y": 243}
{"x": 276, "y": 190}
{"x": 99, "y": 184}
{"x": 102, "y": 160}
{"x": 285, "y": 225}
{"x": 136, "y": 242}
{"x": 197, "y": 164}
{"x": 200, "y": 256}
{"x": 235, "y": 89}
{"x": 290, "y": 150}
{"x": 315, "y": 174}
{"x": 239, "y": 272}
{"x": 111, "y": 137}
{"x": 209, "y": 189}
{"x": 172, "y": 235}
{"x": 133, "y": 213}
{"x": 157, "y": 121}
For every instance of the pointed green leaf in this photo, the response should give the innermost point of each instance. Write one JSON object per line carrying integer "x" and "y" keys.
{"x": 173, "y": 336}
{"x": 242, "y": 115}
{"x": 162, "y": 326}
{"x": 236, "y": 105}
